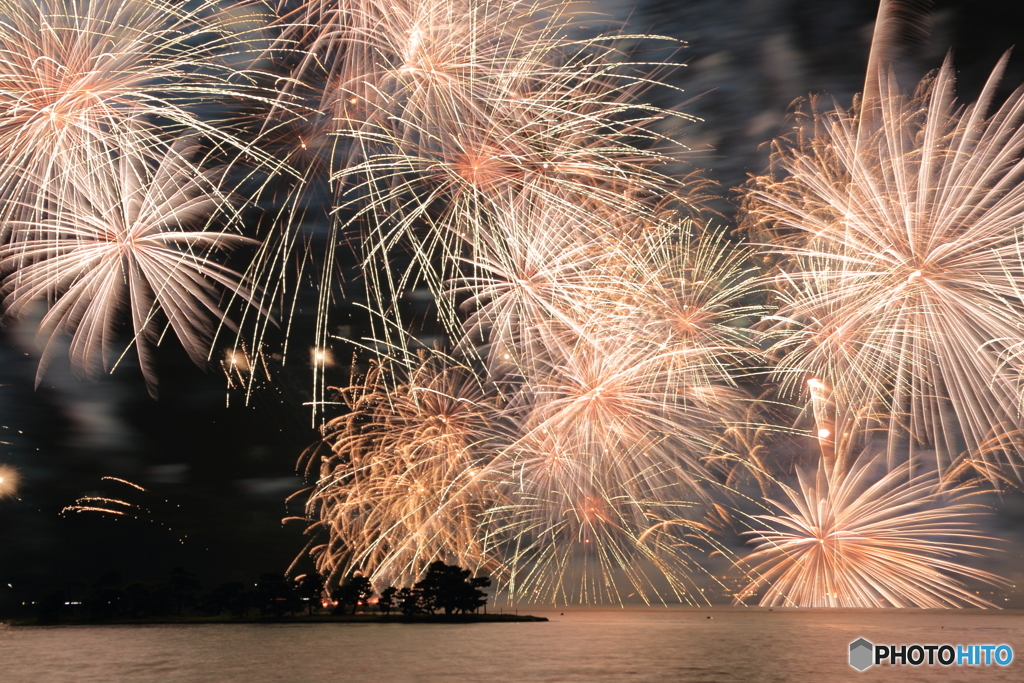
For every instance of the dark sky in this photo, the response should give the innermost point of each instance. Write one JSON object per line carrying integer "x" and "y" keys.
{"x": 216, "y": 474}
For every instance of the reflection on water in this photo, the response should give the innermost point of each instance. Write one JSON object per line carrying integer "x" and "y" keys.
{"x": 675, "y": 646}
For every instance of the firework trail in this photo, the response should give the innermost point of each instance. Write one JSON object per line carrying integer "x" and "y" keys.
{"x": 894, "y": 228}
{"x": 132, "y": 238}
{"x": 120, "y": 508}
{"x": 864, "y": 537}
{"x": 106, "y": 505}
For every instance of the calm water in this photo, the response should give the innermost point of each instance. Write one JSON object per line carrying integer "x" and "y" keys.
{"x": 674, "y": 646}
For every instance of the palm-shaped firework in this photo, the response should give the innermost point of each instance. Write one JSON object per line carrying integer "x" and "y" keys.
{"x": 130, "y": 237}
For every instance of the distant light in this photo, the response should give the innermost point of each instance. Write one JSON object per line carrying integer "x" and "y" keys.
{"x": 321, "y": 356}
{"x": 815, "y": 383}
{"x": 824, "y": 433}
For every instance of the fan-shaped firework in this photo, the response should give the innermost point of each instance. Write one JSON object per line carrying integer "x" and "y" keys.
{"x": 78, "y": 78}
{"x": 847, "y": 538}
{"x": 126, "y": 239}
{"x": 897, "y": 229}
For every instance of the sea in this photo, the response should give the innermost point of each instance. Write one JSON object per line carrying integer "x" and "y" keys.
{"x": 586, "y": 645}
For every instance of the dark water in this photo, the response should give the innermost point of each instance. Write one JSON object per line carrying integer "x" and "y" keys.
{"x": 674, "y": 646}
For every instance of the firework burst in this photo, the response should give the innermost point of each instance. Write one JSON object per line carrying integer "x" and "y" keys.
{"x": 895, "y": 226}
{"x": 79, "y": 78}
{"x": 573, "y": 526}
{"x": 128, "y": 240}
{"x": 10, "y": 479}
{"x": 404, "y": 484}
{"x": 849, "y": 537}
{"x": 440, "y": 113}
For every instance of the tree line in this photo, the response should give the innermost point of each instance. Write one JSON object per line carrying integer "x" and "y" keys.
{"x": 447, "y": 588}
{"x": 444, "y": 588}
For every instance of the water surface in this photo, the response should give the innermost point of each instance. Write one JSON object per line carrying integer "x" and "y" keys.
{"x": 585, "y": 645}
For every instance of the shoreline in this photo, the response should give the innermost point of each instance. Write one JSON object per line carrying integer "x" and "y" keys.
{"x": 315, "y": 619}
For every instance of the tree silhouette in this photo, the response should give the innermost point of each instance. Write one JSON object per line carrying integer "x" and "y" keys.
{"x": 409, "y": 601}
{"x": 355, "y": 591}
{"x": 310, "y": 589}
{"x": 107, "y": 597}
{"x": 387, "y": 599}
{"x": 276, "y": 595}
{"x": 184, "y": 586}
{"x": 143, "y": 599}
{"x": 452, "y": 589}
{"x": 233, "y": 598}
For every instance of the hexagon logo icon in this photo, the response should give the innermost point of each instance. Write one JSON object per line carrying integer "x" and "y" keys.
{"x": 861, "y": 652}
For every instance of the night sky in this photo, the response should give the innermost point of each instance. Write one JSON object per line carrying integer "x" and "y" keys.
{"x": 217, "y": 471}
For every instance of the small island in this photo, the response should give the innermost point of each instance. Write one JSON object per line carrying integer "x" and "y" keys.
{"x": 446, "y": 594}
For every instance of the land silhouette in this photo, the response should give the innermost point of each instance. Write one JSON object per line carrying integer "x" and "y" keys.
{"x": 445, "y": 593}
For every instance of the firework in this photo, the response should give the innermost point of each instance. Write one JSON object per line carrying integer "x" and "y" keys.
{"x": 849, "y": 537}
{"x": 128, "y": 239}
{"x": 78, "y": 78}
{"x": 578, "y": 527}
{"x": 605, "y": 355}
{"x": 163, "y": 513}
{"x": 105, "y": 504}
{"x": 895, "y": 229}
{"x": 403, "y": 486}
{"x": 440, "y": 113}
{"x": 607, "y": 476}
{"x": 432, "y": 464}
{"x": 9, "y": 481}
{"x": 535, "y": 284}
